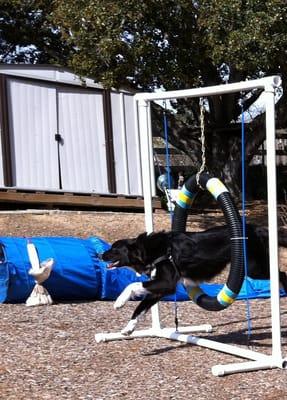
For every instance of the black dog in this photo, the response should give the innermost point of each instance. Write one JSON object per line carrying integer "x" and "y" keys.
{"x": 192, "y": 257}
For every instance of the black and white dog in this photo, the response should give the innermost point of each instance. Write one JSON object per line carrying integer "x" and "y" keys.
{"x": 191, "y": 257}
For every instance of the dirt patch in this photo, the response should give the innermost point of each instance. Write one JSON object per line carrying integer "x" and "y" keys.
{"x": 50, "y": 352}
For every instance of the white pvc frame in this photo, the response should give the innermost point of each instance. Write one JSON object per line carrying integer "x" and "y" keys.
{"x": 258, "y": 360}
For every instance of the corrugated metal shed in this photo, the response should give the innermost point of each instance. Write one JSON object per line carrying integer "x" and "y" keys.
{"x": 63, "y": 132}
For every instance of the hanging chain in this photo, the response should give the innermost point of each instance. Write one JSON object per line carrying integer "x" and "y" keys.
{"x": 202, "y": 140}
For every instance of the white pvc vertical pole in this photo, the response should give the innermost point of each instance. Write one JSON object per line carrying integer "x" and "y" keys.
{"x": 144, "y": 121}
{"x": 137, "y": 141}
{"x": 145, "y": 157}
{"x": 272, "y": 223}
{"x": 124, "y": 143}
{"x": 151, "y": 151}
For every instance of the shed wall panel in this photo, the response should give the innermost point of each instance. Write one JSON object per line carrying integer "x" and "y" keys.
{"x": 1, "y": 162}
{"x": 132, "y": 138}
{"x": 126, "y": 145}
{"x": 119, "y": 146}
{"x": 83, "y": 152}
{"x": 33, "y": 124}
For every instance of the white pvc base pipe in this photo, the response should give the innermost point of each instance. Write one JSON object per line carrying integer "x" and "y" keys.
{"x": 211, "y": 344}
{"x": 151, "y": 332}
{"x": 259, "y": 361}
{"x": 248, "y": 366}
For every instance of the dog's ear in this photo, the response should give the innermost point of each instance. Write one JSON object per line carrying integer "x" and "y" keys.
{"x": 141, "y": 239}
{"x": 152, "y": 241}
{"x": 130, "y": 242}
{"x": 140, "y": 245}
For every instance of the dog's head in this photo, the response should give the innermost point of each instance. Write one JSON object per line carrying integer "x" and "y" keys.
{"x": 136, "y": 253}
{"x": 125, "y": 253}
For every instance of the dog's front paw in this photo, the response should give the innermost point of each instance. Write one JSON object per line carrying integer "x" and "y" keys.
{"x": 132, "y": 290}
{"x": 120, "y": 302}
{"x": 128, "y": 330}
{"x": 123, "y": 297}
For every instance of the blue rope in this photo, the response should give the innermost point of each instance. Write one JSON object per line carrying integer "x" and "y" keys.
{"x": 248, "y": 314}
{"x": 167, "y": 161}
{"x": 167, "y": 157}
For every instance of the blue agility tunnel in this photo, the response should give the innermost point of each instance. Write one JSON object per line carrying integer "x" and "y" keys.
{"x": 78, "y": 272}
{"x": 75, "y": 275}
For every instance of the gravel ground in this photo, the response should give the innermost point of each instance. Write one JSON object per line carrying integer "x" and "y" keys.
{"x": 49, "y": 352}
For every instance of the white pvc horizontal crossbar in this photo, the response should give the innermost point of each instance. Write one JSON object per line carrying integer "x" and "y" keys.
{"x": 263, "y": 83}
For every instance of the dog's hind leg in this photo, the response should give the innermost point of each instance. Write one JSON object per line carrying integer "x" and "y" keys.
{"x": 130, "y": 327}
{"x": 141, "y": 309}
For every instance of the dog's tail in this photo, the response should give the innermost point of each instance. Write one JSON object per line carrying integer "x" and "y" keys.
{"x": 262, "y": 233}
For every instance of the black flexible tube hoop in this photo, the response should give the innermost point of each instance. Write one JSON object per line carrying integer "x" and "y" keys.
{"x": 236, "y": 274}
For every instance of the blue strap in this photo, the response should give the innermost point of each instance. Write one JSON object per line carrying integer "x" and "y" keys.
{"x": 167, "y": 160}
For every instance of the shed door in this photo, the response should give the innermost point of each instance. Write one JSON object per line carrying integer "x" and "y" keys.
{"x": 33, "y": 124}
{"x": 83, "y": 148}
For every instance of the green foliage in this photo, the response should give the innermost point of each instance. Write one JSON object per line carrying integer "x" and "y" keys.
{"x": 28, "y": 35}
{"x": 249, "y": 35}
{"x": 171, "y": 43}
{"x": 133, "y": 43}
{"x": 147, "y": 44}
